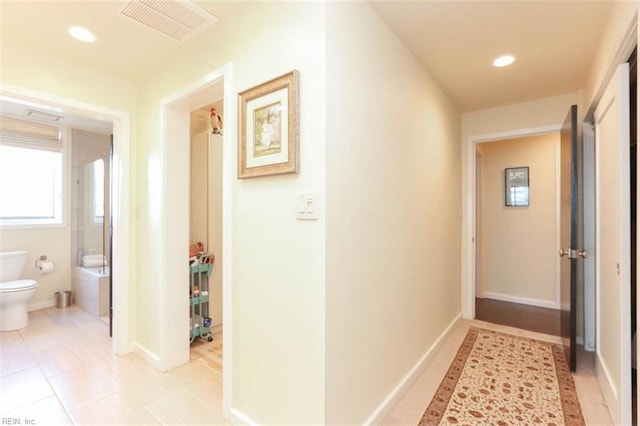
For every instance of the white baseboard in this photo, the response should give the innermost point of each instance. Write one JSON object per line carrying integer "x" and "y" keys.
{"x": 238, "y": 418}
{"x": 608, "y": 388}
{"x": 401, "y": 388}
{"x": 522, "y": 300}
{"x": 41, "y": 305}
{"x": 148, "y": 356}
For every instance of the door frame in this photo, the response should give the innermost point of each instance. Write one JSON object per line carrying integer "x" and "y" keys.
{"x": 629, "y": 41}
{"x": 121, "y": 211}
{"x": 588, "y": 177}
{"x": 623, "y": 222}
{"x": 175, "y": 113}
{"x": 469, "y": 242}
{"x": 478, "y": 222}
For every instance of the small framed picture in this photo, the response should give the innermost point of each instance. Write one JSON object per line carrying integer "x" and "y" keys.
{"x": 268, "y": 142}
{"x": 516, "y": 187}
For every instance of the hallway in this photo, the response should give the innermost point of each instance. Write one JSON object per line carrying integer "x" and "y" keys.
{"x": 411, "y": 406}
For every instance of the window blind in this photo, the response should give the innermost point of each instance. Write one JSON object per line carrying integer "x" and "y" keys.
{"x": 27, "y": 134}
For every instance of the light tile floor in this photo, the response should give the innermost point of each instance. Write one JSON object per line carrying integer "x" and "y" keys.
{"x": 61, "y": 370}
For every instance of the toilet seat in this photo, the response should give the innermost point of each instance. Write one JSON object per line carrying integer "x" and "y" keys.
{"x": 17, "y": 285}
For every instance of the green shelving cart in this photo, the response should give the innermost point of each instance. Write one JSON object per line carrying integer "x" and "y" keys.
{"x": 200, "y": 321}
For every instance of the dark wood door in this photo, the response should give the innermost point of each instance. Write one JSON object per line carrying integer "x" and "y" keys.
{"x": 569, "y": 233}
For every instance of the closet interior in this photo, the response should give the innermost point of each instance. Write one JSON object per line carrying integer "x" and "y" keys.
{"x": 205, "y": 232}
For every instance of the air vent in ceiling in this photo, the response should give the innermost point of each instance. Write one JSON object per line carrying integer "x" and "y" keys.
{"x": 178, "y": 19}
{"x": 39, "y": 115}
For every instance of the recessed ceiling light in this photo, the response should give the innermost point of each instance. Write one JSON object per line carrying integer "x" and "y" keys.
{"x": 82, "y": 34}
{"x": 504, "y": 60}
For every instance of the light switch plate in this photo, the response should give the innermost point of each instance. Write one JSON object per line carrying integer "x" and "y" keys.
{"x": 307, "y": 206}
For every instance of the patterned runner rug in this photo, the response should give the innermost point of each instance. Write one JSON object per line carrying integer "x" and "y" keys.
{"x": 501, "y": 379}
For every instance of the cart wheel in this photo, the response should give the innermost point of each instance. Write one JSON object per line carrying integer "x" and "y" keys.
{"x": 210, "y": 339}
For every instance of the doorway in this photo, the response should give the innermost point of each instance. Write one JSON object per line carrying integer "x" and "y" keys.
{"x": 121, "y": 341}
{"x": 205, "y": 234}
{"x": 516, "y": 259}
{"x": 175, "y": 140}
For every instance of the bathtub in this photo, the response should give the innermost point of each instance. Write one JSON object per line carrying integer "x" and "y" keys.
{"x": 91, "y": 289}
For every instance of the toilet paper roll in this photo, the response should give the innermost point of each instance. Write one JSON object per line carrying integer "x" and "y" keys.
{"x": 46, "y": 267}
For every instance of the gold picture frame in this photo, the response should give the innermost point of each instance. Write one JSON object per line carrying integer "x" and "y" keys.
{"x": 268, "y": 142}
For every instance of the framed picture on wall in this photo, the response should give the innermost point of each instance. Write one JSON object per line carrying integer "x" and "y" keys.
{"x": 269, "y": 129}
{"x": 516, "y": 187}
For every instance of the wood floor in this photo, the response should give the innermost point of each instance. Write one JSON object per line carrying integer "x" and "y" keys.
{"x": 536, "y": 319}
{"x": 532, "y": 318}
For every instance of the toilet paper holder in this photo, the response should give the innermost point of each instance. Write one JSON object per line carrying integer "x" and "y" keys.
{"x": 39, "y": 261}
{"x": 45, "y": 266}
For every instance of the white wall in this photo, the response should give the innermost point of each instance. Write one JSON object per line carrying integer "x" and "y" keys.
{"x": 611, "y": 43}
{"x": 278, "y": 262}
{"x": 526, "y": 115}
{"x": 393, "y": 212}
{"x": 31, "y": 69}
{"x": 518, "y": 244}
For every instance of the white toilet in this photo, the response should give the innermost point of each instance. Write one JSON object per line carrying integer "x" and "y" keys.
{"x": 14, "y": 292}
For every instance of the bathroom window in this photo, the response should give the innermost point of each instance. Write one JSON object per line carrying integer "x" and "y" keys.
{"x": 31, "y": 174}
{"x": 30, "y": 186}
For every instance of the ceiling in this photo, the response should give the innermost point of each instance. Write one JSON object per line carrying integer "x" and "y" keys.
{"x": 123, "y": 47}
{"x": 554, "y": 43}
{"x": 456, "y": 41}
